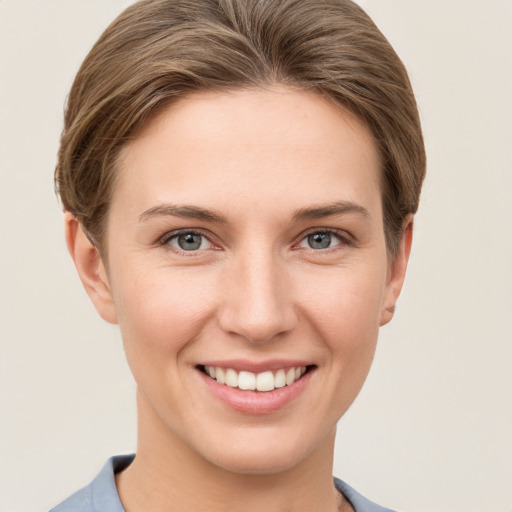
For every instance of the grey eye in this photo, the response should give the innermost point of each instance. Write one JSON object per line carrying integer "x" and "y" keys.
{"x": 322, "y": 240}
{"x": 319, "y": 240}
{"x": 189, "y": 241}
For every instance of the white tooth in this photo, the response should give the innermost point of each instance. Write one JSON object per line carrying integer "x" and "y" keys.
{"x": 246, "y": 380}
{"x": 302, "y": 370}
{"x": 290, "y": 376}
{"x": 280, "y": 379}
{"x": 231, "y": 378}
{"x": 265, "y": 381}
{"x": 297, "y": 373}
{"x": 211, "y": 371}
{"x": 220, "y": 375}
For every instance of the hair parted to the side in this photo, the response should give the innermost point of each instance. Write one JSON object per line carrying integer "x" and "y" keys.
{"x": 158, "y": 51}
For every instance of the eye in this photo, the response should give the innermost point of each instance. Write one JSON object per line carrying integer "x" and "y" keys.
{"x": 188, "y": 241}
{"x": 320, "y": 240}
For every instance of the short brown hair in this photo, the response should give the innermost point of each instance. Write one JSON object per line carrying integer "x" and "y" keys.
{"x": 157, "y": 51}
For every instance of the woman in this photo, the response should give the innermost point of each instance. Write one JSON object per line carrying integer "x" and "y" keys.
{"x": 239, "y": 182}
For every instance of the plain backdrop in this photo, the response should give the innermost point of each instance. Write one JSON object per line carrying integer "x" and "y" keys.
{"x": 432, "y": 428}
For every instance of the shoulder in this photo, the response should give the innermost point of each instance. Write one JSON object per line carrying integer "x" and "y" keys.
{"x": 358, "y": 501}
{"x": 80, "y": 501}
{"x": 101, "y": 494}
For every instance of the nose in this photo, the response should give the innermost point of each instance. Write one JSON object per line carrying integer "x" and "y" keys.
{"x": 257, "y": 301}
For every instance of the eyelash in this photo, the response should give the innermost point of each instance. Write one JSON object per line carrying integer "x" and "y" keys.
{"x": 343, "y": 238}
{"x": 164, "y": 241}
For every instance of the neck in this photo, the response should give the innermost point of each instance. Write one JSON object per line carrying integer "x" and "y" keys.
{"x": 168, "y": 475}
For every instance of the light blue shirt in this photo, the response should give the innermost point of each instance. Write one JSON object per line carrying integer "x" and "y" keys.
{"x": 101, "y": 494}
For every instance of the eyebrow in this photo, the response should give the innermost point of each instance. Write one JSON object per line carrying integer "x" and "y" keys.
{"x": 195, "y": 212}
{"x": 326, "y": 210}
{"x": 185, "y": 211}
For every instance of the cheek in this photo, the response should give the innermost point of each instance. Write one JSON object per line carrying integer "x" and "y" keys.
{"x": 160, "y": 312}
{"x": 345, "y": 303}
{"x": 344, "y": 310}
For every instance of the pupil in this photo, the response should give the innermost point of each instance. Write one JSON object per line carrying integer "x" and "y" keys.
{"x": 319, "y": 240}
{"x": 189, "y": 241}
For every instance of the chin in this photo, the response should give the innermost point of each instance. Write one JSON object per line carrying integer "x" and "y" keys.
{"x": 261, "y": 463}
{"x": 265, "y": 453}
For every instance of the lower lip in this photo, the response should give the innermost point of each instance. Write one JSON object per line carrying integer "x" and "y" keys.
{"x": 256, "y": 402}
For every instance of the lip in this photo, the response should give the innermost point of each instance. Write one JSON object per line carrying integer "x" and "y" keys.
{"x": 255, "y": 402}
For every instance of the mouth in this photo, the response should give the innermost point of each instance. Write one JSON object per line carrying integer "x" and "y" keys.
{"x": 263, "y": 382}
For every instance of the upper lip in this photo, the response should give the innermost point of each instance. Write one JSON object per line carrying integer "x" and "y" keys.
{"x": 256, "y": 366}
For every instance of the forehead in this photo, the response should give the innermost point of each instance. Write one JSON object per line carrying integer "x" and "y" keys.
{"x": 278, "y": 144}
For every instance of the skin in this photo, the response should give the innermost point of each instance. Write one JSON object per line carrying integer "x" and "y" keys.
{"x": 255, "y": 290}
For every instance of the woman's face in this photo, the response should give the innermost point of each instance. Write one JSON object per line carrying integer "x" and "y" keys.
{"x": 246, "y": 235}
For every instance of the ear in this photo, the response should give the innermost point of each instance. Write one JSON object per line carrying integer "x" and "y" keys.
{"x": 91, "y": 268}
{"x": 396, "y": 274}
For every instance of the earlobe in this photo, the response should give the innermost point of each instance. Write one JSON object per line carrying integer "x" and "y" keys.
{"x": 90, "y": 268}
{"x": 397, "y": 272}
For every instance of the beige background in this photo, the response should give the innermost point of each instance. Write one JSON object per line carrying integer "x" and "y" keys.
{"x": 432, "y": 429}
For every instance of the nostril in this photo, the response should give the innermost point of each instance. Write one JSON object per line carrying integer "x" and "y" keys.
{"x": 258, "y": 315}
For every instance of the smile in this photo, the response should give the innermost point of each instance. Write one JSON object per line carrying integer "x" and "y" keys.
{"x": 249, "y": 381}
